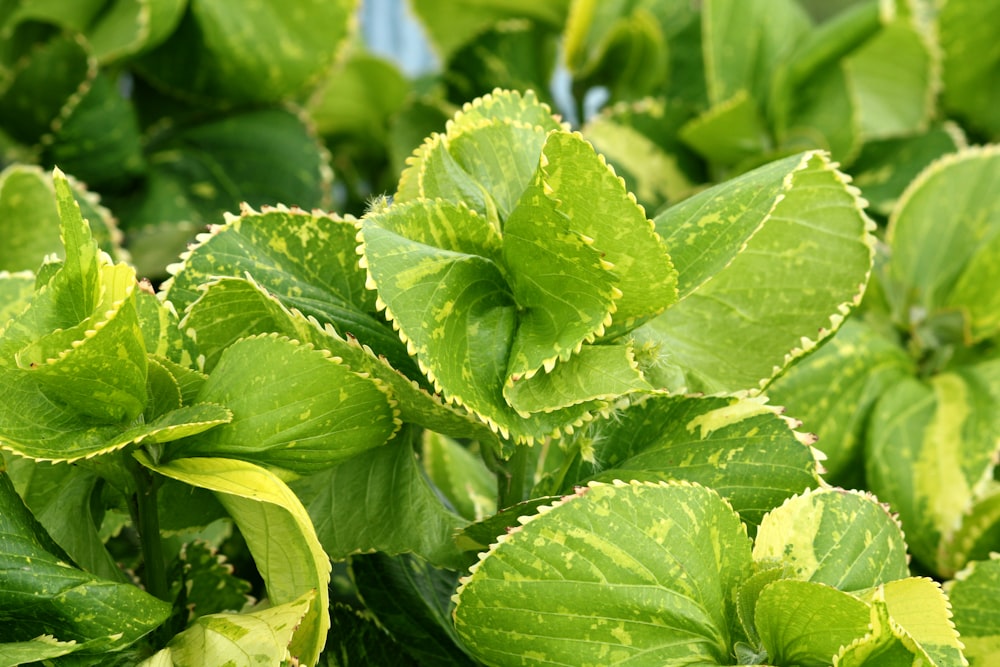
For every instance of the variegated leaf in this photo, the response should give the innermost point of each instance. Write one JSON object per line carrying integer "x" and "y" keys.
{"x": 842, "y": 538}
{"x": 948, "y": 432}
{"x": 292, "y": 406}
{"x": 278, "y": 532}
{"x": 973, "y": 595}
{"x": 807, "y": 623}
{"x": 768, "y": 262}
{"x": 945, "y": 238}
{"x": 741, "y": 448}
{"x": 833, "y": 390}
{"x": 614, "y": 572}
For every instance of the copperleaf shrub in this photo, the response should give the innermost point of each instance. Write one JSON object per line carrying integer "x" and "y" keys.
{"x": 505, "y": 365}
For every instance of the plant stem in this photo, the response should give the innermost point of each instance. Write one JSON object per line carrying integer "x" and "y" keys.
{"x": 147, "y": 522}
{"x": 515, "y": 476}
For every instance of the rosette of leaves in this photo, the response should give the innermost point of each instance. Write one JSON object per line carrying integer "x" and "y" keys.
{"x": 96, "y": 372}
{"x": 913, "y": 383}
{"x": 665, "y": 573}
{"x": 528, "y": 283}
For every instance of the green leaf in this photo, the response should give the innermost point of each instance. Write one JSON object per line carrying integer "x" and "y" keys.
{"x": 40, "y": 648}
{"x": 460, "y": 475}
{"x": 745, "y": 41}
{"x": 452, "y": 26}
{"x": 729, "y": 132}
{"x": 41, "y": 594}
{"x": 381, "y": 501}
{"x": 487, "y": 158}
{"x": 833, "y": 390}
{"x": 198, "y": 172}
{"x": 806, "y": 623}
{"x": 883, "y": 169}
{"x": 216, "y": 54}
{"x": 610, "y": 573}
{"x": 44, "y": 84}
{"x": 945, "y": 236}
{"x": 769, "y": 261}
{"x": 209, "y": 585}
{"x": 356, "y": 639}
{"x": 307, "y": 261}
{"x": 60, "y": 497}
{"x": 971, "y": 62}
{"x": 100, "y": 142}
{"x": 279, "y": 534}
{"x": 741, "y": 448}
{"x": 255, "y": 638}
{"x": 126, "y": 28}
{"x": 15, "y": 294}
{"x": 293, "y": 407}
{"x": 910, "y": 624}
{"x": 640, "y": 140}
{"x": 412, "y": 601}
{"x": 948, "y": 431}
{"x": 893, "y": 77}
{"x": 841, "y": 538}
{"x": 977, "y": 619}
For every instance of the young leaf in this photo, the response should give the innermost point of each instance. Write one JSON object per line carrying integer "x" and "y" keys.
{"x": 381, "y": 501}
{"x": 259, "y": 637}
{"x": 293, "y": 407}
{"x": 841, "y": 538}
{"x": 610, "y": 573}
{"x": 807, "y": 623}
{"x": 460, "y": 475}
{"x": 279, "y": 534}
{"x": 769, "y": 261}
{"x": 41, "y": 594}
{"x": 972, "y": 594}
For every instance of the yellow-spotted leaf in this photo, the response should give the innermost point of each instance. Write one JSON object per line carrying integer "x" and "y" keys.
{"x": 807, "y": 623}
{"x": 293, "y": 407}
{"x": 613, "y": 573}
{"x": 845, "y": 539}
{"x": 280, "y": 536}
{"x": 972, "y": 594}
{"x": 73, "y": 363}
{"x": 948, "y": 432}
{"x": 945, "y": 238}
{"x": 42, "y": 593}
{"x": 768, "y": 262}
{"x": 256, "y": 637}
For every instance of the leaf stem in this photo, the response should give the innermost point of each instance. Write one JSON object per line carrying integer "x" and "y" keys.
{"x": 515, "y": 476}
{"x": 147, "y": 522}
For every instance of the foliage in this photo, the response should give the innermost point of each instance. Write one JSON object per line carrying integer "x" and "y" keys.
{"x": 524, "y": 409}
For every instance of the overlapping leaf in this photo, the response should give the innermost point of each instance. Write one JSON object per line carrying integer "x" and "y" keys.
{"x": 613, "y": 572}
{"x": 945, "y": 238}
{"x": 216, "y": 54}
{"x": 948, "y": 432}
{"x": 768, "y": 262}
{"x": 44, "y": 595}
{"x": 381, "y": 501}
{"x": 281, "y": 539}
{"x": 741, "y": 448}
{"x": 972, "y": 594}
{"x": 841, "y": 538}
{"x": 293, "y": 407}
{"x": 540, "y": 252}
